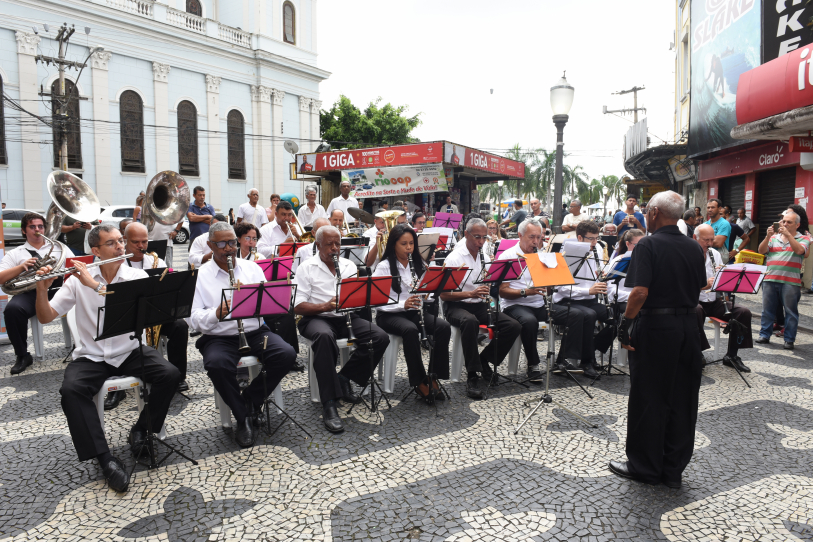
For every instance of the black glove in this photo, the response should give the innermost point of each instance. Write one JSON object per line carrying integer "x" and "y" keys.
{"x": 624, "y": 330}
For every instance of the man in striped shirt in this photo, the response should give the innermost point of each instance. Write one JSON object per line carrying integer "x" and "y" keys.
{"x": 786, "y": 250}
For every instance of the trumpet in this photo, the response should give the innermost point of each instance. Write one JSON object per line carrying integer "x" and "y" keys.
{"x": 420, "y": 309}
{"x": 60, "y": 272}
{"x": 243, "y": 347}
{"x": 352, "y": 339}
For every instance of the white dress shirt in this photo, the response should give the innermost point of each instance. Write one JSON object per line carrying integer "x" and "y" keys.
{"x": 112, "y": 351}
{"x": 18, "y": 255}
{"x": 707, "y": 296}
{"x": 146, "y": 263}
{"x": 461, "y": 256}
{"x": 372, "y": 234}
{"x": 253, "y": 215}
{"x": 306, "y": 216}
{"x": 573, "y": 220}
{"x": 584, "y": 281}
{"x": 271, "y": 235}
{"x": 342, "y": 204}
{"x": 316, "y": 284}
{"x": 523, "y": 282}
{"x": 160, "y": 232}
{"x": 405, "y": 273}
{"x": 211, "y": 281}
{"x": 198, "y": 250}
{"x": 302, "y": 255}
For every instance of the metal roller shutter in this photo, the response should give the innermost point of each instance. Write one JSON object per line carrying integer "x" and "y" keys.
{"x": 732, "y": 192}
{"x": 776, "y": 188}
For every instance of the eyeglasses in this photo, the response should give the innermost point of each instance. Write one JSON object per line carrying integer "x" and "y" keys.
{"x": 222, "y": 244}
{"x": 591, "y": 239}
{"x": 247, "y": 238}
{"x": 36, "y": 226}
{"x": 113, "y": 243}
{"x": 478, "y": 237}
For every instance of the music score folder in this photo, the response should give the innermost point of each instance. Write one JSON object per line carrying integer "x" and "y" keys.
{"x": 543, "y": 275}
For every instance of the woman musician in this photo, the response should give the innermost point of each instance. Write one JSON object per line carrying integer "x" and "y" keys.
{"x": 626, "y": 244}
{"x": 405, "y": 318}
{"x": 494, "y": 238}
{"x": 247, "y": 236}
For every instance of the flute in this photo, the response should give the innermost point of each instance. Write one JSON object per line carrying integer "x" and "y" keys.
{"x": 420, "y": 297}
{"x": 352, "y": 339}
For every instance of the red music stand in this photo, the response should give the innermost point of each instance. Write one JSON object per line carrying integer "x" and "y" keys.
{"x": 289, "y": 249}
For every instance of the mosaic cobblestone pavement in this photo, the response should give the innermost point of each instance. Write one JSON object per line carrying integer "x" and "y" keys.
{"x": 408, "y": 474}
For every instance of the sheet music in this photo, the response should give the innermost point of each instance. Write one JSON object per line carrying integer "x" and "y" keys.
{"x": 574, "y": 252}
{"x": 426, "y": 241}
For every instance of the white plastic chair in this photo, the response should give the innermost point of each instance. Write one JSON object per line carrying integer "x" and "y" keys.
{"x": 38, "y": 335}
{"x": 389, "y": 363}
{"x": 254, "y": 367}
{"x": 455, "y": 342}
{"x": 516, "y": 349}
{"x": 344, "y": 355}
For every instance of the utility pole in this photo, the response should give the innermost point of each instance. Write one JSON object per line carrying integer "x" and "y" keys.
{"x": 635, "y": 107}
{"x": 62, "y": 37}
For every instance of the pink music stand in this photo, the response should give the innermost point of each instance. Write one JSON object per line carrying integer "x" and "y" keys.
{"x": 447, "y": 220}
{"x": 258, "y": 300}
{"x": 505, "y": 244}
{"x": 276, "y": 268}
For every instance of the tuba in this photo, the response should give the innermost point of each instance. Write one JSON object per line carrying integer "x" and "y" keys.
{"x": 166, "y": 201}
{"x": 390, "y": 218}
{"x": 72, "y": 197}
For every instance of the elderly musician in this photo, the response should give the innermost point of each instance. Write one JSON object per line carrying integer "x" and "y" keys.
{"x": 309, "y": 250}
{"x": 468, "y": 310}
{"x": 95, "y": 361}
{"x": 199, "y": 251}
{"x": 316, "y": 301}
{"x": 219, "y": 342}
{"x": 278, "y": 231}
{"x": 581, "y": 299}
{"x": 336, "y": 219}
{"x": 22, "y": 306}
{"x": 344, "y": 201}
{"x": 247, "y": 237}
{"x": 404, "y": 319}
{"x": 739, "y": 333}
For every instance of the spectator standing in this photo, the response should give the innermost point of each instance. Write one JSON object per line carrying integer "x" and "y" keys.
{"x": 745, "y": 223}
{"x": 536, "y": 208}
{"x": 629, "y": 218}
{"x": 738, "y": 237}
{"x": 518, "y": 217}
{"x": 721, "y": 226}
{"x": 75, "y": 235}
{"x": 251, "y": 212}
{"x": 688, "y": 223}
{"x": 311, "y": 210}
{"x": 570, "y": 221}
{"x": 343, "y": 201}
{"x": 448, "y": 207}
{"x": 230, "y": 216}
{"x": 782, "y": 287}
{"x": 270, "y": 211}
{"x": 698, "y": 213}
{"x": 200, "y": 214}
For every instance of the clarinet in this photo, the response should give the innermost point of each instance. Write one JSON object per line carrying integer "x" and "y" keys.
{"x": 420, "y": 309}
{"x": 602, "y": 298}
{"x": 352, "y": 339}
{"x": 243, "y": 347}
{"x": 491, "y": 303}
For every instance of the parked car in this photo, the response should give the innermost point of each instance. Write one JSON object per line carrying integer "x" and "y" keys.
{"x": 12, "y": 235}
{"x": 116, "y": 213}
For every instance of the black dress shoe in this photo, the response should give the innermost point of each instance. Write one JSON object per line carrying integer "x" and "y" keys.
{"x": 117, "y": 478}
{"x": 330, "y": 415}
{"x": 588, "y": 370}
{"x": 183, "y": 386}
{"x": 348, "y": 395}
{"x": 474, "y": 386}
{"x": 298, "y": 367}
{"x": 621, "y": 468}
{"x": 762, "y": 340}
{"x": 244, "y": 433}
{"x": 788, "y": 345}
{"x": 534, "y": 375}
{"x": 23, "y": 362}
{"x": 735, "y": 361}
{"x": 113, "y": 399}
{"x": 671, "y": 484}
{"x": 138, "y": 441}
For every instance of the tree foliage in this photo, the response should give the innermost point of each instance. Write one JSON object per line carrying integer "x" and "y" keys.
{"x": 345, "y": 125}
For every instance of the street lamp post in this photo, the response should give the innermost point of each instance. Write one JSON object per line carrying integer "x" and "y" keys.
{"x": 561, "y": 99}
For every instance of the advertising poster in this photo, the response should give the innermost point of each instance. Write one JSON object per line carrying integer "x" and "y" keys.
{"x": 472, "y": 158}
{"x": 419, "y": 153}
{"x": 726, "y": 42}
{"x": 785, "y": 27}
{"x": 395, "y": 181}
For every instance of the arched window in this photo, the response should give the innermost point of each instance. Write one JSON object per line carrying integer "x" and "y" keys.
{"x": 237, "y": 145}
{"x": 72, "y": 127}
{"x": 288, "y": 23}
{"x": 188, "y": 139}
{"x": 3, "y": 155}
{"x": 131, "y": 112}
{"x": 193, "y": 7}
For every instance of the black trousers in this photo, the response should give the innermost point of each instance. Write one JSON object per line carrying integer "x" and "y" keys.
{"x": 581, "y": 323}
{"x": 469, "y": 317}
{"x": 18, "y": 310}
{"x": 665, "y": 371}
{"x": 407, "y": 325}
{"x": 220, "y": 359}
{"x": 323, "y": 332}
{"x": 84, "y": 378}
{"x": 177, "y": 334}
{"x": 737, "y": 337}
{"x": 529, "y": 318}
{"x": 284, "y": 325}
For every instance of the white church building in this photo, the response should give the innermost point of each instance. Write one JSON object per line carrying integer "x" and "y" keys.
{"x": 208, "y": 88}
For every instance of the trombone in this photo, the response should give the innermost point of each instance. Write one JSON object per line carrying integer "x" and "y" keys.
{"x": 347, "y": 227}
{"x": 304, "y": 236}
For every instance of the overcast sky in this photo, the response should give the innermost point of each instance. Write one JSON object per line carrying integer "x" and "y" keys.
{"x": 441, "y": 58}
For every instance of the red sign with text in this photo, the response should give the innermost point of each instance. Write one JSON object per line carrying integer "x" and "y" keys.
{"x": 801, "y": 144}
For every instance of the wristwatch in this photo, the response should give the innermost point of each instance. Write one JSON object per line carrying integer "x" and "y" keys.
{"x": 522, "y": 293}
{"x": 98, "y": 287}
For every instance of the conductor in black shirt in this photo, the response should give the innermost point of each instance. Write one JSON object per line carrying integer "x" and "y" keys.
{"x": 666, "y": 274}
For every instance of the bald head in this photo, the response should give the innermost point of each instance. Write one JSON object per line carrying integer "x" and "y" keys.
{"x": 137, "y": 239}
{"x": 318, "y": 223}
{"x": 134, "y": 227}
{"x": 704, "y": 234}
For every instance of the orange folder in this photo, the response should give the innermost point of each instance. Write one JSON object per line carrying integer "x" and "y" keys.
{"x": 545, "y": 276}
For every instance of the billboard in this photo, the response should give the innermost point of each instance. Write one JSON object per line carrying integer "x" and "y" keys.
{"x": 785, "y": 27}
{"x": 726, "y": 42}
{"x": 400, "y": 155}
{"x": 395, "y": 181}
{"x": 459, "y": 155}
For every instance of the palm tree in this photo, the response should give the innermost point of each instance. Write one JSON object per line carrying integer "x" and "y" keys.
{"x": 571, "y": 177}
{"x": 614, "y": 188}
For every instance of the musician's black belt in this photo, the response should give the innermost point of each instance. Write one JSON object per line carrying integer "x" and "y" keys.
{"x": 675, "y": 312}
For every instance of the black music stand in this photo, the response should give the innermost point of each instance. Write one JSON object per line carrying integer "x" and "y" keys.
{"x": 132, "y": 307}
{"x": 435, "y": 281}
{"x": 160, "y": 248}
{"x": 357, "y": 293}
{"x": 251, "y": 301}
{"x": 614, "y": 275}
{"x": 494, "y": 275}
{"x": 354, "y": 249}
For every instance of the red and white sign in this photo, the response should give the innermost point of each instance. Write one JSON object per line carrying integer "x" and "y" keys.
{"x": 801, "y": 144}
{"x": 781, "y": 85}
{"x": 767, "y": 156}
{"x": 472, "y": 158}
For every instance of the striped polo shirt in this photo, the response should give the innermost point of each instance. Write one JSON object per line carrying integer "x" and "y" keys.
{"x": 784, "y": 265}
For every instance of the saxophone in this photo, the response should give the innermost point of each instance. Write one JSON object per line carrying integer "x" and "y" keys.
{"x": 154, "y": 332}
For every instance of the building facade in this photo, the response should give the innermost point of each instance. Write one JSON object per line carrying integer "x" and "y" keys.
{"x": 207, "y": 88}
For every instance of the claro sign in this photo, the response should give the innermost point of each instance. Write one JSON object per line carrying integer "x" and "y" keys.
{"x": 767, "y": 156}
